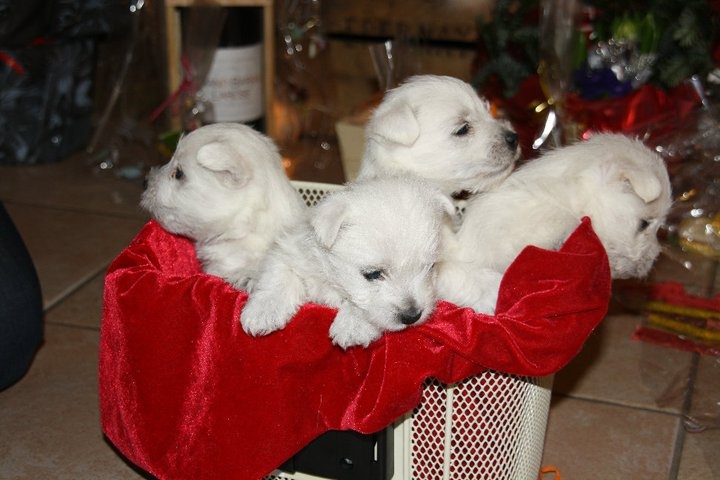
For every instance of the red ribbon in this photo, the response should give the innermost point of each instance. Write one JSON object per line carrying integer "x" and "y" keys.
{"x": 186, "y": 86}
{"x": 10, "y": 61}
{"x": 16, "y": 66}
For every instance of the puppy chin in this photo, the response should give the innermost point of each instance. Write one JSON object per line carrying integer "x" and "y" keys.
{"x": 632, "y": 268}
{"x": 487, "y": 180}
{"x": 173, "y": 225}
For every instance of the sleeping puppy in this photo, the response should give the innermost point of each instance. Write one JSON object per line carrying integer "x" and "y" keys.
{"x": 438, "y": 128}
{"x": 618, "y": 182}
{"x": 368, "y": 250}
{"x": 225, "y": 189}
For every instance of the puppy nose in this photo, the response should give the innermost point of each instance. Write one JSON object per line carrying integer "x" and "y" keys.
{"x": 511, "y": 139}
{"x": 410, "y": 316}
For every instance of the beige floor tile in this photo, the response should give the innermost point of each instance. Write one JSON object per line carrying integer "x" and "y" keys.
{"x": 50, "y": 421}
{"x": 589, "y": 440}
{"x": 615, "y": 368}
{"x": 701, "y": 449}
{"x": 70, "y": 184}
{"x": 68, "y": 248}
{"x": 705, "y": 405}
{"x": 82, "y": 308}
{"x": 701, "y": 456}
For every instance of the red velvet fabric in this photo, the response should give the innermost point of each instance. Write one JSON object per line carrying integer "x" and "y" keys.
{"x": 185, "y": 393}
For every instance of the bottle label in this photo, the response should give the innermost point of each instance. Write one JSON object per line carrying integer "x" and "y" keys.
{"x": 234, "y": 85}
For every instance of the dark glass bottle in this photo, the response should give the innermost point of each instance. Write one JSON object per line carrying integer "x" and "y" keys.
{"x": 234, "y": 86}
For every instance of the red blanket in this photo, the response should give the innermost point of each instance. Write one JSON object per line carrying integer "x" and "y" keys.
{"x": 185, "y": 393}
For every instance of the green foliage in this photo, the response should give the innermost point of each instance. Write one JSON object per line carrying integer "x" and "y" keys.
{"x": 509, "y": 44}
{"x": 682, "y": 34}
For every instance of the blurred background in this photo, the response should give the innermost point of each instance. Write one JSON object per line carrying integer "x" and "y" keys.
{"x": 94, "y": 93}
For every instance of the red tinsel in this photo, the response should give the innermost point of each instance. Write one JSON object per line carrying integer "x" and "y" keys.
{"x": 648, "y": 111}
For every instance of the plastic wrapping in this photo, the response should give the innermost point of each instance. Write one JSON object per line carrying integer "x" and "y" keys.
{"x": 201, "y": 28}
{"x": 47, "y": 72}
{"x": 129, "y": 84}
{"x": 692, "y": 153}
{"x": 685, "y": 313}
{"x": 304, "y": 110}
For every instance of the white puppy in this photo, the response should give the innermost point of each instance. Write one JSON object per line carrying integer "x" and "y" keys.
{"x": 438, "y": 128}
{"x": 224, "y": 188}
{"x": 618, "y": 182}
{"x": 368, "y": 250}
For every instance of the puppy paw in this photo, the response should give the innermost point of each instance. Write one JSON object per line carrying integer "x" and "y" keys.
{"x": 485, "y": 305}
{"x": 488, "y": 286}
{"x": 351, "y": 330}
{"x": 273, "y": 301}
{"x": 261, "y": 318}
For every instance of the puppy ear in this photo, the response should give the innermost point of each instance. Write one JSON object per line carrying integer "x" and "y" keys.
{"x": 396, "y": 123}
{"x": 446, "y": 204}
{"x": 220, "y": 158}
{"x": 646, "y": 185}
{"x": 328, "y": 218}
{"x": 617, "y": 168}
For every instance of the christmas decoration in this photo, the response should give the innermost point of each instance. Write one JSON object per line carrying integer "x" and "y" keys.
{"x": 631, "y": 65}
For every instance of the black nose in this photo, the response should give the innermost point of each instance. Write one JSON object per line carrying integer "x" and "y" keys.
{"x": 410, "y": 316}
{"x": 511, "y": 139}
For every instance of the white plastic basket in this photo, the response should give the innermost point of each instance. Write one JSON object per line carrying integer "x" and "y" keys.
{"x": 491, "y": 426}
{"x": 488, "y": 427}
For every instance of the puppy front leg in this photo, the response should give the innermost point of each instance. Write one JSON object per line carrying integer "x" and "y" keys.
{"x": 275, "y": 298}
{"x": 350, "y": 328}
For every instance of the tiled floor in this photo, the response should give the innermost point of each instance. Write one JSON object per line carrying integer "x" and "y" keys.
{"x": 617, "y": 412}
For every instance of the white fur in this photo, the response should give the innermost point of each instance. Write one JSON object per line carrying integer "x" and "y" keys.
{"x": 616, "y": 181}
{"x": 232, "y": 198}
{"x": 418, "y": 128}
{"x": 391, "y": 228}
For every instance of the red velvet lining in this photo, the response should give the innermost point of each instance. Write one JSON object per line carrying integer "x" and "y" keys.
{"x": 185, "y": 393}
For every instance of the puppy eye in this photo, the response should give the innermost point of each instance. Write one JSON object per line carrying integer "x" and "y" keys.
{"x": 372, "y": 275}
{"x": 463, "y": 130}
{"x": 644, "y": 224}
{"x": 177, "y": 174}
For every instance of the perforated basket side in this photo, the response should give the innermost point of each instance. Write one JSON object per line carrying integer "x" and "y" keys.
{"x": 491, "y": 426}
{"x": 313, "y": 192}
{"x": 488, "y": 427}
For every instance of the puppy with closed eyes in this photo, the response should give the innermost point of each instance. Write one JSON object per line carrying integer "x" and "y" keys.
{"x": 438, "y": 128}
{"x": 618, "y": 182}
{"x": 368, "y": 250}
{"x": 225, "y": 189}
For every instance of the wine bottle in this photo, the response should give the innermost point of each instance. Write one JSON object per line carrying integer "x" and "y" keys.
{"x": 234, "y": 85}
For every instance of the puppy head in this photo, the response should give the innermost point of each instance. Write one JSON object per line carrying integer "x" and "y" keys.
{"x": 382, "y": 238}
{"x": 438, "y": 128}
{"x": 208, "y": 179}
{"x": 633, "y": 196}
